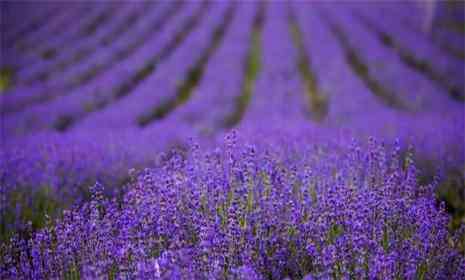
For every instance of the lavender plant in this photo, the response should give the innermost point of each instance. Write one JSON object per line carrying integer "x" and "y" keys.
{"x": 254, "y": 211}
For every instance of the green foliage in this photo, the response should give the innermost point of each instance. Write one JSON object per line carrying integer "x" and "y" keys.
{"x": 318, "y": 102}
{"x": 385, "y": 240}
{"x": 334, "y": 232}
{"x": 422, "y": 269}
{"x": 34, "y": 206}
{"x": 252, "y": 68}
{"x": 72, "y": 274}
{"x": 6, "y": 77}
{"x": 452, "y": 191}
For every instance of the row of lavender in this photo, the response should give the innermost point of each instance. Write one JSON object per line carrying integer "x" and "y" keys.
{"x": 107, "y": 63}
{"x": 66, "y": 162}
{"x": 446, "y": 27}
{"x": 272, "y": 208}
{"x": 47, "y": 117}
{"x": 301, "y": 200}
{"x": 342, "y": 113}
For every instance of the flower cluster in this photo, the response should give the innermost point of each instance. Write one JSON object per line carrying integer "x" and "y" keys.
{"x": 254, "y": 211}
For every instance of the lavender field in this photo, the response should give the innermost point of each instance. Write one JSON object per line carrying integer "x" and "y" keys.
{"x": 232, "y": 140}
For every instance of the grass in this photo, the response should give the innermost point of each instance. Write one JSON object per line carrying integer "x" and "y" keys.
{"x": 452, "y": 191}
{"x": 6, "y": 78}
{"x": 318, "y": 102}
{"x": 25, "y": 206}
{"x": 252, "y": 69}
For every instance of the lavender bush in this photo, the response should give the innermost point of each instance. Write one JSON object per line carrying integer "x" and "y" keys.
{"x": 254, "y": 211}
